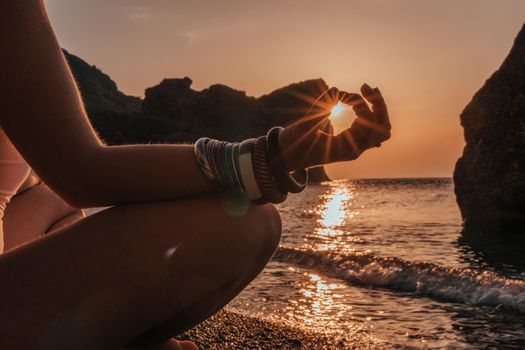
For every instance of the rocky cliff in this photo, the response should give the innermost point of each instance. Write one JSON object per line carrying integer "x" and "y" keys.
{"x": 172, "y": 112}
{"x": 490, "y": 176}
{"x": 98, "y": 91}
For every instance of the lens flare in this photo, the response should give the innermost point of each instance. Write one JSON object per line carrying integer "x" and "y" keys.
{"x": 338, "y": 108}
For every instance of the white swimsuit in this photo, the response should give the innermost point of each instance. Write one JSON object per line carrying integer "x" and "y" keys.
{"x": 13, "y": 172}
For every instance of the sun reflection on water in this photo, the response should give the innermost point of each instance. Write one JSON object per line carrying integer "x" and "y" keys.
{"x": 319, "y": 303}
{"x": 333, "y": 215}
{"x": 333, "y": 212}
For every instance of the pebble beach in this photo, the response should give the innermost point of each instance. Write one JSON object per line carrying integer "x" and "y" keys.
{"x": 232, "y": 330}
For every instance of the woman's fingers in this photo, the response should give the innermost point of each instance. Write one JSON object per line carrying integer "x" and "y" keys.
{"x": 381, "y": 126}
{"x": 302, "y": 138}
{"x": 381, "y": 111}
{"x": 358, "y": 104}
{"x": 372, "y": 95}
{"x": 370, "y": 128}
{"x": 350, "y": 143}
{"x": 319, "y": 111}
{"x": 332, "y": 95}
{"x": 375, "y": 97}
{"x": 326, "y": 101}
{"x": 314, "y": 135}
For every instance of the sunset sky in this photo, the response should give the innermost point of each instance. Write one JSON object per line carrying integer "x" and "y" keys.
{"x": 428, "y": 57}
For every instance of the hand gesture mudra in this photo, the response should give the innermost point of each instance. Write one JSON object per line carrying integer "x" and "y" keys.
{"x": 310, "y": 141}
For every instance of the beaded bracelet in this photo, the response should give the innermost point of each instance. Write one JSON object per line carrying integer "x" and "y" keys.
{"x": 265, "y": 180}
{"x": 285, "y": 181}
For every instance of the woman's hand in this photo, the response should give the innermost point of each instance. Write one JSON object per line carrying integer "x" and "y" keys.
{"x": 310, "y": 141}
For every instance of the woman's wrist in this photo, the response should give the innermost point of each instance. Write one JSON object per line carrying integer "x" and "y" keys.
{"x": 255, "y": 167}
{"x": 286, "y": 181}
{"x": 289, "y": 157}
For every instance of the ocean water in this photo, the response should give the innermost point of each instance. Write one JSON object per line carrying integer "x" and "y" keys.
{"x": 385, "y": 259}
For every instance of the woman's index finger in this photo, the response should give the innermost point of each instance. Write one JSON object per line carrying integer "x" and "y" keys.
{"x": 375, "y": 97}
{"x": 358, "y": 104}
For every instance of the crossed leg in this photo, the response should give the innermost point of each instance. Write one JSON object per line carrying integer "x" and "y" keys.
{"x": 134, "y": 274}
{"x": 35, "y": 212}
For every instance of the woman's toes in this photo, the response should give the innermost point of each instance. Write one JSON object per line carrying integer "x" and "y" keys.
{"x": 173, "y": 344}
{"x": 188, "y": 345}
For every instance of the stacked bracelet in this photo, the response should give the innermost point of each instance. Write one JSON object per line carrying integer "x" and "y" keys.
{"x": 254, "y": 166}
{"x": 245, "y": 162}
{"x": 266, "y": 181}
{"x": 284, "y": 179}
{"x": 217, "y": 161}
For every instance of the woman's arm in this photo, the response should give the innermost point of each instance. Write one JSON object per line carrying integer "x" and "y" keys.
{"x": 42, "y": 113}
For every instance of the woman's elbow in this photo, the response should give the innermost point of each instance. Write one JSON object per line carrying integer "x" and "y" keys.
{"x": 79, "y": 195}
{"x": 77, "y": 201}
{"x": 79, "y": 187}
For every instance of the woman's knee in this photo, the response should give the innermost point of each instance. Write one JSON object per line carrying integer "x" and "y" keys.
{"x": 242, "y": 221}
{"x": 264, "y": 228}
{"x": 207, "y": 225}
{"x": 272, "y": 225}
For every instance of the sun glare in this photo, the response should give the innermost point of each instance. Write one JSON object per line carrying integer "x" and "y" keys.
{"x": 333, "y": 214}
{"x": 338, "y": 108}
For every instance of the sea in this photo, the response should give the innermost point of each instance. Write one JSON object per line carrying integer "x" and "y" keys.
{"x": 386, "y": 259}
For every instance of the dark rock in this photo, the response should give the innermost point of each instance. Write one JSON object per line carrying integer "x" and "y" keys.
{"x": 172, "y": 112}
{"x": 317, "y": 174}
{"x": 490, "y": 176}
{"x": 99, "y": 92}
{"x": 285, "y": 105}
{"x": 168, "y": 98}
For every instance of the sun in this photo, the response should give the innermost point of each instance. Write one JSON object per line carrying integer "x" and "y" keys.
{"x": 336, "y": 110}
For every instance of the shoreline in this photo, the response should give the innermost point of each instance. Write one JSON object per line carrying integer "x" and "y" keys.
{"x": 230, "y": 329}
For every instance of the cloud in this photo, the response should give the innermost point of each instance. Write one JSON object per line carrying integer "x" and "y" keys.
{"x": 138, "y": 13}
{"x": 189, "y": 37}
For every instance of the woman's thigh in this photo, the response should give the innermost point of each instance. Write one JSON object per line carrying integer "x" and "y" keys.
{"x": 108, "y": 278}
{"x": 33, "y": 212}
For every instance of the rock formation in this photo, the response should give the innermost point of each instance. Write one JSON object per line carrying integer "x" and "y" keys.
{"x": 490, "y": 176}
{"x": 98, "y": 91}
{"x": 172, "y": 112}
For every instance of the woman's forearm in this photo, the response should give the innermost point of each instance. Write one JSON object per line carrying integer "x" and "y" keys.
{"x": 42, "y": 113}
{"x": 133, "y": 173}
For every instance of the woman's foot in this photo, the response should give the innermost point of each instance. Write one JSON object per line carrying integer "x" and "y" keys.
{"x": 179, "y": 345}
{"x": 171, "y": 344}
{"x": 176, "y": 345}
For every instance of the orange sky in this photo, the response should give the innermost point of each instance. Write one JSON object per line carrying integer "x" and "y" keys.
{"x": 428, "y": 57}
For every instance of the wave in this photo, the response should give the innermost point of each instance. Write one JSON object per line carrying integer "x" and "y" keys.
{"x": 462, "y": 285}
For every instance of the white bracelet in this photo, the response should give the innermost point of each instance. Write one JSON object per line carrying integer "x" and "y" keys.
{"x": 246, "y": 170}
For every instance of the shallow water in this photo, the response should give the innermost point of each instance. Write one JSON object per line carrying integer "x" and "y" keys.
{"x": 383, "y": 257}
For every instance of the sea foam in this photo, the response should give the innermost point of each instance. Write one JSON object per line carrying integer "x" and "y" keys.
{"x": 461, "y": 285}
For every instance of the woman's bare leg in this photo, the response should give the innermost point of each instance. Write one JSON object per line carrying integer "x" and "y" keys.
{"x": 114, "y": 276}
{"x": 33, "y": 213}
{"x": 37, "y": 211}
{"x": 66, "y": 220}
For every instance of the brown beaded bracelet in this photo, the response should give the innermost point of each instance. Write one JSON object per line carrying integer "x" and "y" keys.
{"x": 293, "y": 183}
{"x": 265, "y": 180}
